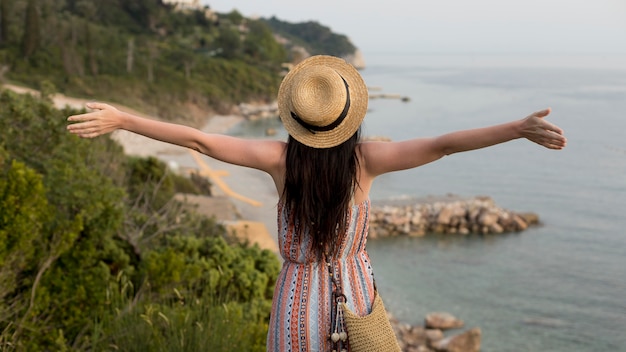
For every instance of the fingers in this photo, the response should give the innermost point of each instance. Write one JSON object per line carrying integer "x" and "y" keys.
{"x": 560, "y": 142}
{"x": 80, "y": 128}
{"x": 542, "y": 113}
{"x": 554, "y": 146}
{"x": 88, "y": 135}
{"x": 81, "y": 123}
{"x": 552, "y": 140}
{"x": 545, "y": 124}
{"x": 82, "y": 117}
{"x": 84, "y": 130}
{"x": 89, "y": 116}
{"x": 552, "y": 127}
{"x": 97, "y": 106}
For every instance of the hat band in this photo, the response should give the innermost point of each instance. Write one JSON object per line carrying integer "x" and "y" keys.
{"x": 337, "y": 122}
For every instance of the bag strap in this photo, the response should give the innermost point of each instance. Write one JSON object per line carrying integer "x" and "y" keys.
{"x": 338, "y": 335}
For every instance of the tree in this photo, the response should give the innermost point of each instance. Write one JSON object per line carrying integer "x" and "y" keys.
{"x": 260, "y": 44}
{"x": 69, "y": 32}
{"x": 4, "y": 21}
{"x": 229, "y": 43}
{"x": 23, "y": 211}
{"x": 3, "y": 70}
{"x": 152, "y": 55}
{"x": 235, "y": 17}
{"x": 144, "y": 12}
{"x": 31, "y": 37}
{"x": 87, "y": 10}
{"x": 130, "y": 55}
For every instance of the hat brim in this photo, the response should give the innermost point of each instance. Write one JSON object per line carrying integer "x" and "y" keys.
{"x": 346, "y": 129}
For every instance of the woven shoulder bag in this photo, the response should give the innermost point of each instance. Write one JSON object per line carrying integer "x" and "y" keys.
{"x": 370, "y": 333}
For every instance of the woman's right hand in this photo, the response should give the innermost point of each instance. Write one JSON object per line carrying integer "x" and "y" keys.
{"x": 103, "y": 119}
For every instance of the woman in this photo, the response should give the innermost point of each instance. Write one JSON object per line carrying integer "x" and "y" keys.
{"x": 323, "y": 175}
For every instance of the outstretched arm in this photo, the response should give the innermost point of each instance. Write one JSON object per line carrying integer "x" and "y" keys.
{"x": 381, "y": 157}
{"x": 262, "y": 155}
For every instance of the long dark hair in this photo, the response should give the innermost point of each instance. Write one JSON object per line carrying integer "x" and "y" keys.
{"x": 319, "y": 186}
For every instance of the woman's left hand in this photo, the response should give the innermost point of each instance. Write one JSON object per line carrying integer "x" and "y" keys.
{"x": 536, "y": 129}
{"x": 103, "y": 119}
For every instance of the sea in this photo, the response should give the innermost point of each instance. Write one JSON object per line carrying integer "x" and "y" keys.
{"x": 559, "y": 286}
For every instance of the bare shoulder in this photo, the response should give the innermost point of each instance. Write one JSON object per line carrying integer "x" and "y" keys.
{"x": 365, "y": 177}
{"x": 275, "y": 152}
{"x": 368, "y": 153}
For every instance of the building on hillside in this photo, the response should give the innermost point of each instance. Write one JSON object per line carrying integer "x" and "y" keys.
{"x": 192, "y": 5}
{"x": 184, "y": 4}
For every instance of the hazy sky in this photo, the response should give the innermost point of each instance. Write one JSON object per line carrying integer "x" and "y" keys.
{"x": 458, "y": 26}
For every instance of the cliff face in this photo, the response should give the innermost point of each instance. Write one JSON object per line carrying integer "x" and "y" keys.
{"x": 312, "y": 38}
{"x": 356, "y": 59}
{"x": 300, "y": 53}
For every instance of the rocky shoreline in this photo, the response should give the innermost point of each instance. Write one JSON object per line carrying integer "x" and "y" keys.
{"x": 431, "y": 337}
{"x": 452, "y": 215}
{"x": 445, "y": 215}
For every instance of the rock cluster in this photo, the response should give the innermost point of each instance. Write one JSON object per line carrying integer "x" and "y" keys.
{"x": 431, "y": 338}
{"x": 446, "y": 215}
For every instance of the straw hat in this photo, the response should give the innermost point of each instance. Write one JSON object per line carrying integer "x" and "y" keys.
{"x": 322, "y": 101}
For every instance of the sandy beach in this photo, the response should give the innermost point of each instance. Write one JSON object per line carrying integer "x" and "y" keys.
{"x": 243, "y": 199}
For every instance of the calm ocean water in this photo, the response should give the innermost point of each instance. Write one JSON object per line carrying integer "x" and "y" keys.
{"x": 557, "y": 287}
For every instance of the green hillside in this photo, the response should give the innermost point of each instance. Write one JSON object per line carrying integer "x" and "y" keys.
{"x": 144, "y": 54}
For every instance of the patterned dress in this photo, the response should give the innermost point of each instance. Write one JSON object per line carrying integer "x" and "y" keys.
{"x": 301, "y": 309}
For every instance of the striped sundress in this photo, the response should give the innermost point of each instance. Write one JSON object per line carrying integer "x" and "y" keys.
{"x": 301, "y": 307}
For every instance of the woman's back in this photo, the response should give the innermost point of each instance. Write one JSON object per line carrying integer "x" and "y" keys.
{"x": 301, "y": 312}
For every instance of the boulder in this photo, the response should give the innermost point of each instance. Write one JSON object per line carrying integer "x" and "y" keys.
{"x": 488, "y": 218}
{"x": 496, "y": 228}
{"x": 416, "y": 219}
{"x": 468, "y": 341}
{"x": 414, "y": 336}
{"x": 420, "y": 348}
{"x": 434, "y": 335}
{"x": 442, "y": 321}
{"x": 530, "y": 218}
{"x": 444, "y": 216}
